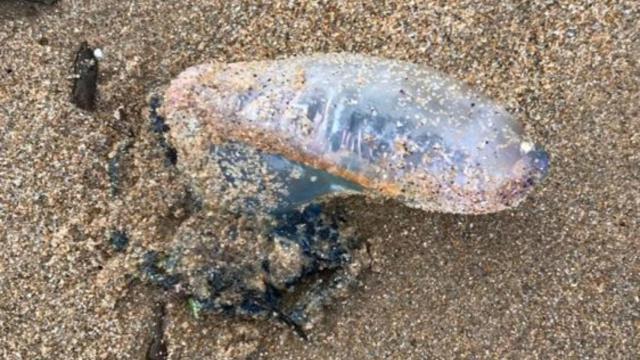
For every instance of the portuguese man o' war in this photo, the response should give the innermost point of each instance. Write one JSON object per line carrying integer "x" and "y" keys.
{"x": 263, "y": 145}
{"x": 305, "y": 127}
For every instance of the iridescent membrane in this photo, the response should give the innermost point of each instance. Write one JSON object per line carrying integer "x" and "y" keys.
{"x": 395, "y": 129}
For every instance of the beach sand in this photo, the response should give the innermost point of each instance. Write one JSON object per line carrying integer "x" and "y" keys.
{"x": 556, "y": 277}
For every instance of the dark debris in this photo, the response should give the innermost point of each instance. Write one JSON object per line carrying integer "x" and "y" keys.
{"x": 85, "y": 72}
{"x": 119, "y": 240}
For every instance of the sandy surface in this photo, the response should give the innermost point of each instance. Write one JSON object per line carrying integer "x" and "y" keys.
{"x": 558, "y": 277}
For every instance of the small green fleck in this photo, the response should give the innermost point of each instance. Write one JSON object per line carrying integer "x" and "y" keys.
{"x": 195, "y": 306}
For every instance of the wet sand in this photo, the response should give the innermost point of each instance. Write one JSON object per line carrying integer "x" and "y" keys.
{"x": 557, "y": 277}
